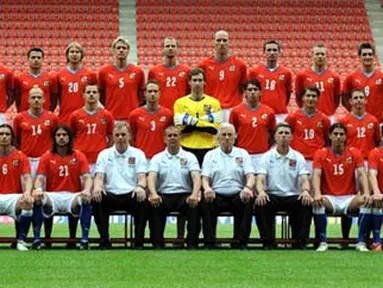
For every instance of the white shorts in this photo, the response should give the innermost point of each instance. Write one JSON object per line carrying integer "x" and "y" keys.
{"x": 62, "y": 202}
{"x": 256, "y": 159}
{"x": 226, "y": 115}
{"x": 8, "y": 204}
{"x": 340, "y": 203}
{"x": 280, "y": 118}
{"x": 3, "y": 120}
{"x": 34, "y": 163}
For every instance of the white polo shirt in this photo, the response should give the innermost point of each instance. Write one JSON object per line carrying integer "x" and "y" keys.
{"x": 282, "y": 171}
{"x": 173, "y": 171}
{"x": 121, "y": 170}
{"x": 227, "y": 171}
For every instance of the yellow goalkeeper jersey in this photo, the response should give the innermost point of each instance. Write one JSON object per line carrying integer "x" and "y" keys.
{"x": 209, "y": 115}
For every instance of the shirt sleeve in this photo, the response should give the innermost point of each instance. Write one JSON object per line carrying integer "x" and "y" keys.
{"x": 263, "y": 164}
{"x": 84, "y": 165}
{"x": 347, "y": 84}
{"x": 154, "y": 164}
{"x": 193, "y": 163}
{"x": 317, "y": 162}
{"x": 101, "y": 78}
{"x": 101, "y": 163}
{"x": 16, "y": 126}
{"x": 110, "y": 124}
{"x": 207, "y": 165}
{"x": 92, "y": 78}
{"x": 73, "y": 122}
{"x": 53, "y": 83}
{"x": 10, "y": 80}
{"x": 26, "y": 168}
{"x": 302, "y": 170}
{"x": 142, "y": 163}
{"x": 288, "y": 83}
{"x": 299, "y": 84}
{"x": 372, "y": 160}
{"x": 43, "y": 165}
{"x": 359, "y": 161}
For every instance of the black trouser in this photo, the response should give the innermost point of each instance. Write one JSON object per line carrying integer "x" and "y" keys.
{"x": 170, "y": 203}
{"x": 299, "y": 219}
{"x": 242, "y": 213}
{"x": 111, "y": 202}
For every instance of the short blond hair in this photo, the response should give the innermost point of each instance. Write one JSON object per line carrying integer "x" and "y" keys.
{"x": 120, "y": 39}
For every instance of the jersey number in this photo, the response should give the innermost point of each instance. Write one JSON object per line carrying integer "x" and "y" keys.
{"x": 338, "y": 169}
{"x": 270, "y": 84}
{"x": 367, "y": 90}
{"x": 121, "y": 82}
{"x": 63, "y": 171}
{"x": 73, "y": 87}
{"x": 152, "y": 125}
{"x": 320, "y": 86}
{"x": 4, "y": 169}
{"x": 171, "y": 81}
{"x": 361, "y": 131}
{"x": 309, "y": 134}
{"x": 254, "y": 122}
{"x": 91, "y": 128}
{"x": 36, "y": 130}
{"x": 221, "y": 75}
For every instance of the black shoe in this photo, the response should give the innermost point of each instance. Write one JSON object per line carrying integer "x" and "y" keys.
{"x": 211, "y": 247}
{"x": 70, "y": 246}
{"x": 13, "y": 245}
{"x": 192, "y": 246}
{"x": 84, "y": 246}
{"x": 105, "y": 245}
{"x": 36, "y": 245}
{"x": 158, "y": 246}
{"x": 48, "y": 245}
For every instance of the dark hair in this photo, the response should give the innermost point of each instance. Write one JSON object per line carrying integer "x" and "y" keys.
{"x": 197, "y": 71}
{"x": 337, "y": 126}
{"x": 13, "y": 138}
{"x": 35, "y": 49}
{"x": 365, "y": 45}
{"x": 152, "y": 81}
{"x": 86, "y": 86}
{"x": 283, "y": 125}
{"x": 254, "y": 82}
{"x": 272, "y": 41}
{"x": 70, "y": 134}
{"x": 357, "y": 90}
{"x": 311, "y": 88}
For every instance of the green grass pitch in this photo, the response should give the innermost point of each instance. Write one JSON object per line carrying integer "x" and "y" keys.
{"x": 181, "y": 268}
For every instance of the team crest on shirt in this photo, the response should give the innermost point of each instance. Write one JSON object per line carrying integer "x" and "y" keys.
{"x": 264, "y": 116}
{"x": 378, "y": 81}
{"x": 47, "y": 122}
{"x": 232, "y": 68}
{"x": 46, "y": 83}
{"x": 320, "y": 124}
{"x": 349, "y": 159}
{"x": 282, "y": 77}
{"x": 330, "y": 80}
{"x": 16, "y": 163}
{"x": 163, "y": 119}
{"x": 370, "y": 126}
{"x": 2, "y": 76}
{"x": 239, "y": 160}
{"x": 132, "y": 160}
{"x": 103, "y": 121}
{"x": 183, "y": 162}
{"x": 292, "y": 163}
{"x": 207, "y": 108}
{"x": 73, "y": 161}
{"x": 84, "y": 79}
{"x": 181, "y": 74}
{"x": 132, "y": 75}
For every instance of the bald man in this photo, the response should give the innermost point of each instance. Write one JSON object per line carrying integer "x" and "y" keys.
{"x": 225, "y": 74}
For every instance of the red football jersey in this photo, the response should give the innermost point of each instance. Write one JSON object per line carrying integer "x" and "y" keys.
{"x": 375, "y": 161}
{"x": 71, "y": 88}
{"x": 373, "y": 88}
{"x": 148, "y": 129}
{"x": 12, "y": 168}
{"x": 253, "y": 127}
{"x": 63, "y": 173}
{"x": 309, "y": 132}
{"x": 362, "y": 133}
{"x": 6, "y": 82}
{"x": 122, "y": 89}
{"x": 223, "y": 80}
{"x": 328, "y": 82}
{"x": 91, "y": 131}
{"x": 25, "y": 81}
{"x": 338, "y": 171}
{"x": 173, "y": 82}
{"x": 35, "y": 133}
{"x": 276, "y": 85}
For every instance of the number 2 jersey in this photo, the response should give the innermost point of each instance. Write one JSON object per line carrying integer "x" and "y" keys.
{"x": 338, "y": 171}
{"x": 63, "y": 172}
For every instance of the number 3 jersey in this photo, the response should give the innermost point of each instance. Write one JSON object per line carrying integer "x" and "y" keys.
{"x": 91, "y": 131}
{"x": 148, "y": 129}
{"x": 338, "y": 171}
{"x": 12, "y": 168}
{"x": 309, "y": 132}
{"x": 63, "y": 172}
{"x": 35, "y": 132}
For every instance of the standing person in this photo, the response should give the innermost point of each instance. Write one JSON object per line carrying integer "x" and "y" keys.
{"x": 15, "y": 185}
{"x": 283, "y": 185}
{"x": 228, "y": 183}
{"x": 254, "y": 122}
{"x": 6, "y": 91}
{"x": 171, "y": 75}
{"x": 121, "y": 83}
{"x": 335, "y": 188}
{"x": 174, "y": 183}
{"x": 63, "y": 184}
{"x": 324, "y": 78}
{"x": 92, "y": 126}
{"x": 198, "y": 116}
{"x": 225, "y": 74}
{"x": 369, "y": 79}
{"x": 148, "y": 122}
{"x": 35, "y": 76}
{"x": 72, "y": 80}
{"x": 120, "y": 183}
{"x": 275, "y": 80}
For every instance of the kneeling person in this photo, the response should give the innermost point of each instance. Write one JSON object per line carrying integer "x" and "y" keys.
{"x": 174, "y": 184}
{"x": 62, "y": 172}
{"x": 228, "y": 180}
